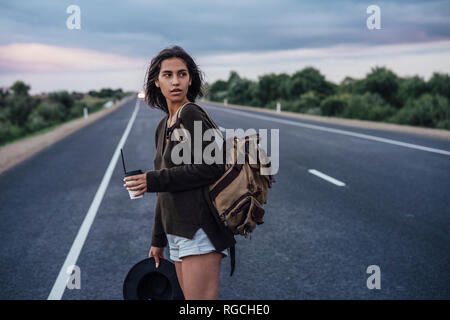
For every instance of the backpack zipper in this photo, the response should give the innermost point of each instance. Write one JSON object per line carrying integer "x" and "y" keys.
{"x": 239, "y": 199}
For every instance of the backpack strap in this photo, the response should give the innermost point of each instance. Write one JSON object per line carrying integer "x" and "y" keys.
{"x": 176, "y": 123}
{"x": 232, "y": 259}
{"x": 229, "y": 178}
{"x": 178, "y": 120}
{"x": 177, "y": 114}
{"x": 212, "y": 122}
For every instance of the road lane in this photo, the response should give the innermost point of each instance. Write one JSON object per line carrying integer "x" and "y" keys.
{"x": 68, "y": 270}
{"x": 393, "y": 211}
{"x": 121, "y": 233}
{"x": 45, "y": 199}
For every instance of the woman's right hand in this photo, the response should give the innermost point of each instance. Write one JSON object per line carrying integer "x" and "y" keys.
{"x": 156, "y": 253}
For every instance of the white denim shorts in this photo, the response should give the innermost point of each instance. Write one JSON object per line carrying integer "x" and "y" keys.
{"x": 181, "y": 247}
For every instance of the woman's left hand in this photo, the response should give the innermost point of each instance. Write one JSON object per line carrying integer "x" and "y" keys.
{"x": 135, "y": 183}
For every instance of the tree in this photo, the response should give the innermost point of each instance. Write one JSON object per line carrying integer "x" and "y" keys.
{"x": 239, "y": 91}
{"x": 234, "y": 76}
{"x": 4, "y": 94}
{"x": 306, "y": 80}
{"x": 332, "y": 106}
{"x": 439, "y": 83}
{"x": 219, "y": 85}
{"x": 271, "y": 87}
{"x": 20, "y": 104}
{"x": 385, "y": 83}
{"x": 351, "y": 85}
{"x": 412, "y": 88}
{"x": 367, "y": 106}
{"x": 218, "y": 90}
{"x": 429, "y": 110}
{"x": 20, "y": 88}
{"x": 64, "y": 98}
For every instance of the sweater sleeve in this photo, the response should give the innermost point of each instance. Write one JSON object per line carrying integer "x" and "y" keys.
{"x": 158, "y": 127}
{"x": 159, "y": 238}
{"x": 187, "y": 176}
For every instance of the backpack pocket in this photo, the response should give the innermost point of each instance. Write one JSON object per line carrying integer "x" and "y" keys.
{"x": 243, "y": 217}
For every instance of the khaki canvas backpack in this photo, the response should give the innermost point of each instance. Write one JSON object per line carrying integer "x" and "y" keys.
{"x": 240, "y": 193}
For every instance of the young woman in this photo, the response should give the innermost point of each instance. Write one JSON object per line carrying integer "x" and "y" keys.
{"x": 184, "y": 215}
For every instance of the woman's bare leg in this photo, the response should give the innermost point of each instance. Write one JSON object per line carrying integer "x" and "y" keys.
{"x": 179, "y": 274}
{"x": 201, "y": 275}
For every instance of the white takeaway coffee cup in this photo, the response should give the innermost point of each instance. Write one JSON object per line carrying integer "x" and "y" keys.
{"x": 133, "y": 192}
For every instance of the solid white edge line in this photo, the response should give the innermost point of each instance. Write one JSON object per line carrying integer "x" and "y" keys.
{"x": 345, "y": 132}
{"x": 326, "y": 177}
{"x": 71, "y": 259}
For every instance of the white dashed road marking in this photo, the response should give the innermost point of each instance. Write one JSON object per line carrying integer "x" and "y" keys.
{"x": 326, "y": 177}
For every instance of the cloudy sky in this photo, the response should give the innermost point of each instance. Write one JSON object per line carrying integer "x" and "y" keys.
{"x": 117, "y": 39}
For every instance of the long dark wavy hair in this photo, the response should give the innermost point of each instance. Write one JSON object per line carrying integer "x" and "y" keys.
{"x": 153, "y": 94}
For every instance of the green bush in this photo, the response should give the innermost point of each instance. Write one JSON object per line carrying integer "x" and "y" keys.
{"x": 20, "y": 108}
{"x": 412, "y": 88}
{"x": 219, "y": 96}
{"x": 333, "y": 105}
{"x": 443, "y": 124}
{"x": 62, "y": 97}
{"x": 108, "y": 93}
{"x": 9, "y": 132}
{"x": 351, "y": 85}
{"x": 36, "y": 122}
{"x": 314, "y": 111}
{"x": 4, "y": 115}
{"x": 271, "y": 87}
{"x": 239, "y": 91}
{"x": 368, "y": 106}
{"x": 45, "y": 115}
{"x": 383, "y": 82}
{"x": 439, "y": 83}
{"x": 51, "y": 112}
{"x": 429, "y": 110}
{"x": 94, "y": 107}
{"x": 78, "y": 108}
{"x": 273, "y": 105}
{"x": 21, "y": 113}
{"x": 307, "y": 79}
{"x": 286, "y": 105}
{"x": 381, "y": 113}
{"x": 308, "y": 100}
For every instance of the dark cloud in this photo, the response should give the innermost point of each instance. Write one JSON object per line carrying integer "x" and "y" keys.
{"x": 141, "y": 28}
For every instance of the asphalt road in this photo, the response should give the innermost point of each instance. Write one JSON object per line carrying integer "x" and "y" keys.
{"x": 318, "y": 238}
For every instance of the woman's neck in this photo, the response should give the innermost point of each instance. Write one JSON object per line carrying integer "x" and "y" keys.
{"x": 174, "y": 106}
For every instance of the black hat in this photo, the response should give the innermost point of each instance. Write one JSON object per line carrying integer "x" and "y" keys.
{"x": 146, "y": 282}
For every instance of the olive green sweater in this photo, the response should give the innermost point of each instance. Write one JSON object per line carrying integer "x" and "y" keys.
{"x": 183, "y": 203}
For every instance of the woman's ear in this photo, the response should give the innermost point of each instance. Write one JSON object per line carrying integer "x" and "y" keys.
{"x": 157, "y": 83}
